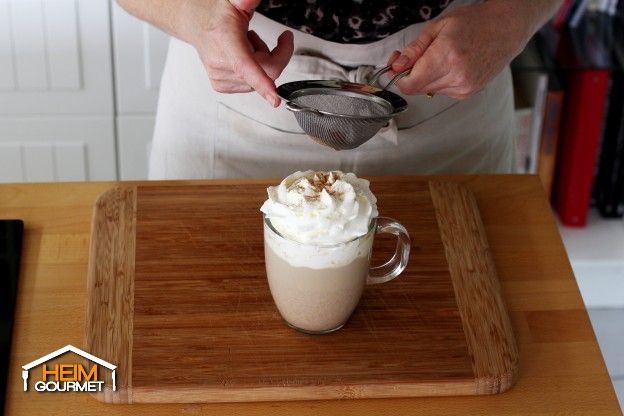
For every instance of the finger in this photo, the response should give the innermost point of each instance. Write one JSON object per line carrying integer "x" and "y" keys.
{"x": 230, "y": 87}
{"x": 437, "y": 86}
{"x": 456, "y": 92}
{"x": 428, "y": 70}
{"x": 217, "y": 65}
{"x": 393, "y": 57}
{"x": 416, "y": 48}
{"x": 281, "y": 54}
{"x": 257, "y": 43}
{"x": 244, "y": 65}
{"x": 224, "y": 75}
{"x": 247, "y": 6}
{"x": 450, "y": 92}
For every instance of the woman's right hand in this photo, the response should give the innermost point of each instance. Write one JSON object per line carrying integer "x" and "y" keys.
{"x": 236, "y": 59}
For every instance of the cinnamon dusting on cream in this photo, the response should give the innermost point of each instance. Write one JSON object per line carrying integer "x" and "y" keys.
{"x": 319, "y": 182}
{"x": 321, "y": 207}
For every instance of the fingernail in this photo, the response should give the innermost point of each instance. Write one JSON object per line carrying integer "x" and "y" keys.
{"x": 403, "y": 60}
{"x": 271, "y": 99}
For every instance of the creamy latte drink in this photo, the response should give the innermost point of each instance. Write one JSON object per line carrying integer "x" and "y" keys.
{"x": 318, "y": 235}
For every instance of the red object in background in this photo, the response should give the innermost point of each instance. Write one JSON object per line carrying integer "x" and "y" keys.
{"x": 561, "y": 15}
{"x": 580, "y": 137}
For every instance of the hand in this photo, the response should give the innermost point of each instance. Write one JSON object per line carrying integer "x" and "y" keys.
{"x": 236, "y": 59}
{"x": 459, "y": 53}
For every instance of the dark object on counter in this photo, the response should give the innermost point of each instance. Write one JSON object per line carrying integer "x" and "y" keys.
{"x": 609, "y": 184}
{"x": 11, "y": 233}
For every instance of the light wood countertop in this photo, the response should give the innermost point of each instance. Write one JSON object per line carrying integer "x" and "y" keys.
{"x": 561, "y": 368}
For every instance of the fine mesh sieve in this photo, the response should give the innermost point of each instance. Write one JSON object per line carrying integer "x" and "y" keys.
{"x": 339, "y": 114}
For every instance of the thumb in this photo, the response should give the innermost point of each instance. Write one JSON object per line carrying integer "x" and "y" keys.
{"x": 393, "y": 57}
{"x": 247, "y": 6}
{"x": 415, "y": 49}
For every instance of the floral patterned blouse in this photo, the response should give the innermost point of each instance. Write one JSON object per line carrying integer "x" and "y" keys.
{"x": 351, "y": 21}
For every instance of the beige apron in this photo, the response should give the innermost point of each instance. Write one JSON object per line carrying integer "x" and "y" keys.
{"x": 200, "y": 133}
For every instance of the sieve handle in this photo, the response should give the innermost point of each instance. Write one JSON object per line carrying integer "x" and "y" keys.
{"x": 299, "y": 109}
{"x": 379, "y": 73}
{"x": 385, "y": 69}
{"x": 397, "y": 77}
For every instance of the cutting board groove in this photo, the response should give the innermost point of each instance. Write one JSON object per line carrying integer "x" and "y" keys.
{"x": 178, "y": 300}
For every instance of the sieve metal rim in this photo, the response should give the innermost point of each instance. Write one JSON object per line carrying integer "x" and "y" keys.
{"x": 328, "y": 91}
{"x": 292, "y": 90}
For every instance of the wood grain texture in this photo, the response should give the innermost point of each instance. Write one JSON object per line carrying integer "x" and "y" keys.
{"x": 110, "y": 285}
{"x": 205, "y": 328}
{"x": 491, "y": 341}
{"x": 561, "y": 368}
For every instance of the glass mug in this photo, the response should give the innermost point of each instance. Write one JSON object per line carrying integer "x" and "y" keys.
{"x": 317, "y": 287}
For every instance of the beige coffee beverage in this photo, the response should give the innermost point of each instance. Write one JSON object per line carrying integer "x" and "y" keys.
{"x": 319, "y": 229}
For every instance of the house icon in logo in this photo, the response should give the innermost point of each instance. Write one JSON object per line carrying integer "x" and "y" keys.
{"x": 26, "y": 368}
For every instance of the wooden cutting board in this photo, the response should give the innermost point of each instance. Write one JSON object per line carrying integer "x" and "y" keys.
{"x": 178, "y": 300}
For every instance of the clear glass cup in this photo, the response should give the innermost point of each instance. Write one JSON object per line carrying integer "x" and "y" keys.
{"x": 316, "y": 288}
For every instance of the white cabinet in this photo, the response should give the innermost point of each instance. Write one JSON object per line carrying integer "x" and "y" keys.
{"x": 59, "y": 148}
{"x": 55, "y": 57}
{"x": 56, "y": 91}
{"x": 63, "y": 115}
{"x": 140, "y": 52}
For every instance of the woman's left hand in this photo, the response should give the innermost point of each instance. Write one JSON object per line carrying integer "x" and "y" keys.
{"x": 458, "y": 53}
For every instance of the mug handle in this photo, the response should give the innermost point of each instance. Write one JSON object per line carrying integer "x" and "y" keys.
{"x": 393, "y": 267}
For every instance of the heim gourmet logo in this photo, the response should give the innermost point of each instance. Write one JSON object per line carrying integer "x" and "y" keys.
{"x": 68, "y": 377}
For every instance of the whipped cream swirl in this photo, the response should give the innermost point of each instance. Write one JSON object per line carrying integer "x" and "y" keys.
{"x": 321, "y": 208}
